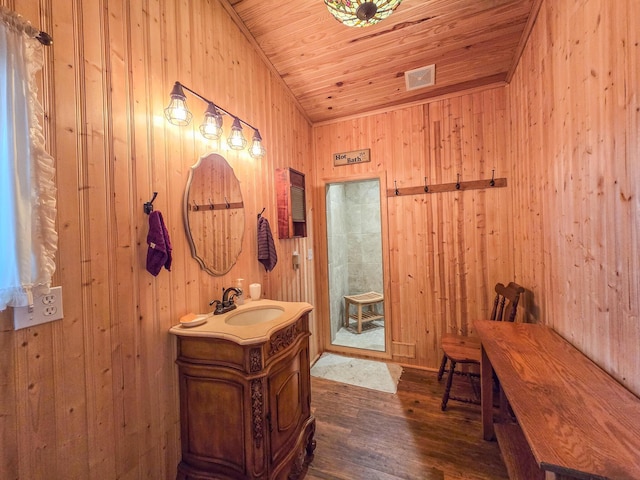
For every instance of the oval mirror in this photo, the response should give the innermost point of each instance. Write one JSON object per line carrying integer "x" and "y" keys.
{"x": 214, "y": 214}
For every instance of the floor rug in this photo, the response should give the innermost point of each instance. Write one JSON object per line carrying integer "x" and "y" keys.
{"x": 355, "y": 371}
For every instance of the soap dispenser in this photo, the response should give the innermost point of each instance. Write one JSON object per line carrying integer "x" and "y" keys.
{"x": 240, "y": 296}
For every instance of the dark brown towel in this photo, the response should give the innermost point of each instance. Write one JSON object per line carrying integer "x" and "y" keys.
{"x": 159, "y": 252}
{"x": 266, "y": 248}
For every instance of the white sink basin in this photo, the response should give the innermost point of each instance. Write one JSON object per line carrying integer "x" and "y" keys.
{"x": 254, "y": 316}
{"x": 251, "y": 323}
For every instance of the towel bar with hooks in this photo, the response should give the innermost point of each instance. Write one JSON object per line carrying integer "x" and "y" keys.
{"x": 209, "y": 205}
{"x": 447, "y": 187}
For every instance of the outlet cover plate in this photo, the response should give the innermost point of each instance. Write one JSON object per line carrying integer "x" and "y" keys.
{"x": 46, "y": 308}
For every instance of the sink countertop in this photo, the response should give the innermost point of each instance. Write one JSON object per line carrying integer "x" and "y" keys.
{"x": 215, "y": 326}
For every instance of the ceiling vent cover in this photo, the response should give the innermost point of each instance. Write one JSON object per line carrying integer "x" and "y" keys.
{"x": 420, "y": 77}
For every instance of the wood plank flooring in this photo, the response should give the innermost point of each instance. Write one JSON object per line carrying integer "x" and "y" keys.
{"x": 364, "y": 434}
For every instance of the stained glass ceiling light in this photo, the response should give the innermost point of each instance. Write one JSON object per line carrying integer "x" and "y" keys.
{"x": 361, "y": 13}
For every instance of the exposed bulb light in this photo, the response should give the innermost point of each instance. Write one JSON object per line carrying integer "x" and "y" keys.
{"x": 236, "y": 140}
{"x": 361, "y": 13}
{"x": 211, "y": 127}
{"x": 256, "y": 150}
{"x": 177, "y": 112}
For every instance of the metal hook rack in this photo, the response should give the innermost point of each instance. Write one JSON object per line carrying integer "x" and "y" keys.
{"x": 447, "y": 187}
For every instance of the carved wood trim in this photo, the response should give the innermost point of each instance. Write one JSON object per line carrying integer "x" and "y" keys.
{"x": 304, "y": 455}
{"x": 298, "y": 464}
{"x": 282, "y": 339}
{"x": 255, "y": 360}
{"x": 257, "y": 410}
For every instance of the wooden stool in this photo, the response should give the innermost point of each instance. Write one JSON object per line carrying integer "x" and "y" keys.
{"x": 370, "y": 300}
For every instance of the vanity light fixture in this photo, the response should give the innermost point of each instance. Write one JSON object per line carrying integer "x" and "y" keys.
{"x": 177, "y": 113}
{"x": 361, "y": 13}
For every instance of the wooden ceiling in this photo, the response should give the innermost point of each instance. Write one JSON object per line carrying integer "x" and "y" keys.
{"x": 336, "y": 71}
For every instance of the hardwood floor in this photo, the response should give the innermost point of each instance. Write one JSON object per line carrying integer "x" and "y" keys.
{"x": 364, "y": 434}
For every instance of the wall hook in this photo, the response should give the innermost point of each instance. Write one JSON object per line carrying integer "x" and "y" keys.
{"x": 195, "y": 206}
{"x": 260, "y": 214}
{"x": 458, "y": 182}
{"x": 211, "y": 207}
{"x": 426, "y": 187}
{"x": 493, "y": 181}
{"x": 148, "y": 206}
{"x": 226, "y": 202}
{"x": 395, "y": 183}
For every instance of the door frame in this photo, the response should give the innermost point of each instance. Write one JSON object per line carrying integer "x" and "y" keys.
{"x": 322, "y": 267}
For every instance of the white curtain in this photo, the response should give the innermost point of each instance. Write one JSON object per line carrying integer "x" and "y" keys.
{"x": 28, "y": 239}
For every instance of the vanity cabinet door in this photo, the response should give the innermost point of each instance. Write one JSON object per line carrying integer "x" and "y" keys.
{"x": 289, "y": 400}
{"x": 213, "y": 424}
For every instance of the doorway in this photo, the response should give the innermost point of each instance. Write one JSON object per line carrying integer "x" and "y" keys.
{"x": 355, "y": 263}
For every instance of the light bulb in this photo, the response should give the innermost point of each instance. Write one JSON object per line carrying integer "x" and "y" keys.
{"x": 236, "y": 140}
{"x": 177, "y": 112}
{"x": 257, "y": 150}
{"x": 211, "y": 127}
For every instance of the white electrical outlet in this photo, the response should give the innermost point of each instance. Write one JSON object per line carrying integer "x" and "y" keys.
{"x": 46, "y": 308}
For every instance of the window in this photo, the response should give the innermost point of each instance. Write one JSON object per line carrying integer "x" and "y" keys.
{"x": 28, "y": 239}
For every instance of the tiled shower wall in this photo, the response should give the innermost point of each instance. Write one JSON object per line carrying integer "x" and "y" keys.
{"x": 354, "y": 243}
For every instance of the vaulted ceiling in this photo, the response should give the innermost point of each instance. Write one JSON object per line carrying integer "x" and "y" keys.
{"x": 336, "y": 71}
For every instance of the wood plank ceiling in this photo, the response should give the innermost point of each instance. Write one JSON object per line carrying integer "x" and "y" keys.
{"x": 336, "y": 71}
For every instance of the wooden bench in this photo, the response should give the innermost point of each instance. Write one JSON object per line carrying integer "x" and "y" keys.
{"x": 569, "y": 418}
{"x": 370, "y": 300}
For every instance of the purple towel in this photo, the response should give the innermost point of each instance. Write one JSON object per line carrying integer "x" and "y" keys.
{"x": 159, "y": 252}
{"x": 266, "y": 248}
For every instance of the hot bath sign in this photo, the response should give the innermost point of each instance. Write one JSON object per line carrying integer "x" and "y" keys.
{"x": 349, "y": 158}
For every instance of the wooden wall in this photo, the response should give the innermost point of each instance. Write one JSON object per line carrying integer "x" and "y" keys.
{"x": 94, "y": 395}
{"x": 574, "y": 152}
{"x": 446, "y": 251}
{"x": 565, "y": 133}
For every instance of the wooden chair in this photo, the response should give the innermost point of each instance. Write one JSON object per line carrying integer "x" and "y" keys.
{"x": 466, "y": 350}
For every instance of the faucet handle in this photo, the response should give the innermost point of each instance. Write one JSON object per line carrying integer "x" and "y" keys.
{"x": 214, "y": 302}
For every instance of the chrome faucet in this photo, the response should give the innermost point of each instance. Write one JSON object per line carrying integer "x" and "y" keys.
{"x": 227, "y": 303}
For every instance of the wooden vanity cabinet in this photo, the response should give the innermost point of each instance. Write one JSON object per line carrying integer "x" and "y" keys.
{"x": 245, "y": 410}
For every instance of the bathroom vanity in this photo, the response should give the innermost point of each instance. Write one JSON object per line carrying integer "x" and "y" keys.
{"x": 245, "y": 400}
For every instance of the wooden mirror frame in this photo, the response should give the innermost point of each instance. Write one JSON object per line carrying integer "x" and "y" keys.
{"x": 214, "y": 214}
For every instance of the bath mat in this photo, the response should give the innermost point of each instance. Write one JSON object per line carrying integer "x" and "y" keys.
{"x": 355, "y": 371}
